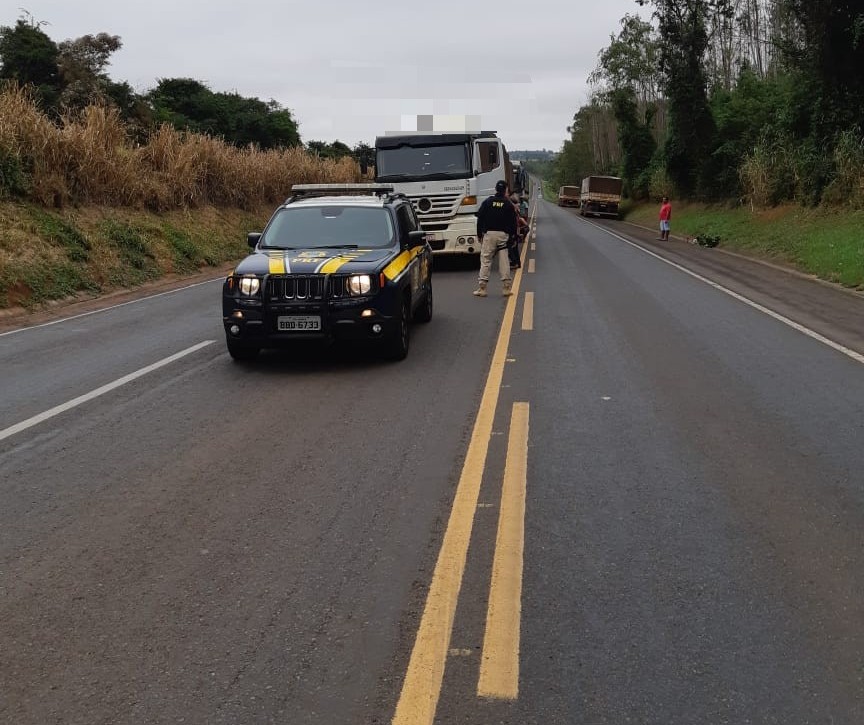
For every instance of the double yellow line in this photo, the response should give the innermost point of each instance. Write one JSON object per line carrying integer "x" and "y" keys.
{"x": 499, "y": 668}
{"x": 499, "y": 671}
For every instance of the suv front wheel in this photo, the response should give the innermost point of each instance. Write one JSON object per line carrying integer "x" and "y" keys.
{"x": 397, "y": 345}
{"x": 424, "y": 312}
{"x": 241, "y": 351}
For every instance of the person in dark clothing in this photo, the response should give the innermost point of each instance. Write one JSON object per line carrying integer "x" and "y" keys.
{"x": 496, "y": 223}
{"x": 521, "y": 234}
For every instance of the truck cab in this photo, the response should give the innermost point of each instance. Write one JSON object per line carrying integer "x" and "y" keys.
{"x": 446, "y": 176}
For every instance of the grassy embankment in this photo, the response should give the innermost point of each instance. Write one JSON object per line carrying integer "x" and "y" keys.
{"x": 549, "y": 193}
{"x": 827, "y": 242}
{"x": 47, "y": 254}
{"x": 84, "y": 210}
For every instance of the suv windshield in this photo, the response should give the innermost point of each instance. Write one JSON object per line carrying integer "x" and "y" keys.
{"x": 330, "y": 226}
{"x": 423, "y": 162}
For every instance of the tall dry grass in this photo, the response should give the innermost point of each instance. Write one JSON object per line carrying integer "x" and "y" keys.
{"x": 89, "y": 158}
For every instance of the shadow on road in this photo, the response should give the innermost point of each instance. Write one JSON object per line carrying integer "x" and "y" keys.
{"x": 455, "y": 263}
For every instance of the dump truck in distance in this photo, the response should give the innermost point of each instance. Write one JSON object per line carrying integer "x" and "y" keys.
{"x": 601, "y": 196}
{"x": 568, "y": 196}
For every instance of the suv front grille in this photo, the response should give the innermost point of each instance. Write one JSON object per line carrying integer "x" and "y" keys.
{"x": 338, "y": 286}
{"x": 296, "y": 287}
{"x": 310, "y": 287}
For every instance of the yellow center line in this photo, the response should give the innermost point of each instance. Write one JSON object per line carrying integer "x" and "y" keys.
{"x": 499, "y": 666}
{"x": 528, "y": 312}
{"x": 422, "y": 686}
{"x": 531, "y": 269}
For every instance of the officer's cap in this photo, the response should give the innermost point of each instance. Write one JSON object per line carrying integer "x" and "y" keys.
{"x": 501, "y": 186}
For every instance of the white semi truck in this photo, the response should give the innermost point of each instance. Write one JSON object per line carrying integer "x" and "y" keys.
{"x": 446, "y": 176}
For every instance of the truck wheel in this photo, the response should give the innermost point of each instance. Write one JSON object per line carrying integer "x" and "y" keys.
{"x": 424, "y": 312}
{"x": 397, "y": 346}
{"x": 240, "y": 351}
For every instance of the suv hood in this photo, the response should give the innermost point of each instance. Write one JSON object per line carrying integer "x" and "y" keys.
{"x": 313, "y": 261}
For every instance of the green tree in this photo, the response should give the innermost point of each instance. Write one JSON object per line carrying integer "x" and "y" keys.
{"x": 190, "y": 105}
{"x": 752, "y": 113}
{"x": 82, "y": 63}
{"x": 692, "y": 138}
{"x": 829, "y": 56}
{"x": 134, "y": 108}
{"x": 638, "y": 146}
{"x": 185, "y": 103}
{"x": 579, "y": 155}
{"x": 29, "y": 56}
{"x": 334, "y": 150}
{"x": 628, "y": 76}
{"x": 631, "y": 60}
{"x": 364, "y": 154}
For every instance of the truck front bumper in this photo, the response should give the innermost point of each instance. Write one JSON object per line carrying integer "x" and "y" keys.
{"x": 460, "y": 237}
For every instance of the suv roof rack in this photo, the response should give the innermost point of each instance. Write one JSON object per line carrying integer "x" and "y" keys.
{"x": 305, "y": 191}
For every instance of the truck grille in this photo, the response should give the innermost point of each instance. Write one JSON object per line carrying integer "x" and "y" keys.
{"x": 299, "y": 287}
{"x": 430, "y": 207}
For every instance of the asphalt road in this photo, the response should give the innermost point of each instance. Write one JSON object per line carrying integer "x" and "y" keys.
{"x": 220, "y": 543}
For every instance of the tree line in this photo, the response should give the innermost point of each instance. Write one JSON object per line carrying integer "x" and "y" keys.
{"x": 66, "y": 77}
{"x": 753, "y": 100}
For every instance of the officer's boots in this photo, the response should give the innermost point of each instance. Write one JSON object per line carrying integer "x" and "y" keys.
{"x": 508, "y": 288}
{"x": 481, "y": 290}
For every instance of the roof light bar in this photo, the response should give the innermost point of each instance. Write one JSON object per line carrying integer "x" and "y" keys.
{"x": 303, "y": 190}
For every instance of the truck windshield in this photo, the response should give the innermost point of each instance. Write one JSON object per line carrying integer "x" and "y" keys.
{"x": 328, "y": 227}
{"x": 423, "y": 162}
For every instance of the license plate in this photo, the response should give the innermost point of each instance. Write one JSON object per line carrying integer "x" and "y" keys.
{"x": 299, "y": 323}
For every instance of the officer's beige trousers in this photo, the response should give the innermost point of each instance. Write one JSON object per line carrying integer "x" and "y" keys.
{"x": 494, "y": 243}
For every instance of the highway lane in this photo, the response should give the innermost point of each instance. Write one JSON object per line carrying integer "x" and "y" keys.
{"x": 247, "y": 544}
{"x": 693, "y": 542}
{"x": 48, "y": 365}
{"x": 225, "y": 543}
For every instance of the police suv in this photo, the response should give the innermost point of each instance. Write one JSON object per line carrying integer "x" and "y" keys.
{"x": 335, "y": 262}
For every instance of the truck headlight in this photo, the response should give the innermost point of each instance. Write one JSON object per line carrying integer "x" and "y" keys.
{"x": 249, "y": 286}
{"x": 360, "y": 284}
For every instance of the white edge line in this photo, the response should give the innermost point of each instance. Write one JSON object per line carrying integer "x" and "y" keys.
{"x": 112, "y": 307}
{"x": 41, "y": 417}
{"x": 856, "y": 356}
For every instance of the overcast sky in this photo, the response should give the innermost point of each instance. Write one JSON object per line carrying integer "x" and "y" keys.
{"x": 350, "y": 70}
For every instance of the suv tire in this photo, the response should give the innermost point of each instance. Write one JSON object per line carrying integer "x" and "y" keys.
{"x": 424, "y": 312}
{"x": 398, "y": 344}
{"x": 240, "y": 351}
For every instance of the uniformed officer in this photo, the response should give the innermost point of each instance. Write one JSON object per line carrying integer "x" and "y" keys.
{"x": 496, "y": 222}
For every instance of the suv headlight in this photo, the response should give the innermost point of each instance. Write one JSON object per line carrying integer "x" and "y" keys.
{"x": 249, "y": 286}
{"x": 360, "y": 284}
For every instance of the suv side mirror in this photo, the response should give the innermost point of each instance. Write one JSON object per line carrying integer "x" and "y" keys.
{"x": 252, "y": 239}
{"x": 416, "y": 238}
